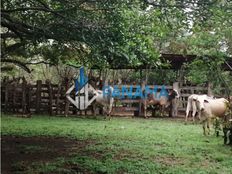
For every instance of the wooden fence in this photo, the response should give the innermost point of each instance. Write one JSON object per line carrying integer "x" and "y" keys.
{"x": 48, "y": 98}
{"x": 39, "y": 98}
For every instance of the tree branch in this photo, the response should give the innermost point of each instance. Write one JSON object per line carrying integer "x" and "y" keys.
{"x": 40, "y": 62}
{"x": 23, "y": 29}
{"x": 8, "y": 35}
{"x": 18, "y": 63}
{"x": 25, "y": 9}
{"x": 230, "y": 67}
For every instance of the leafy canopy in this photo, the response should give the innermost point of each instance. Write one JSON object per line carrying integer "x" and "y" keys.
{"x": 109, "y": 32}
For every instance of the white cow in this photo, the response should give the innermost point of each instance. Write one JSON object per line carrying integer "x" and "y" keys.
{"x": 192, "y": 106}
{"x": 104, "y": 100}
{"x": 211, "y": 108}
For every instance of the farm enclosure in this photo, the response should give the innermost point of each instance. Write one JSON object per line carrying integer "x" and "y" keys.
{"x": 48, "y": 98}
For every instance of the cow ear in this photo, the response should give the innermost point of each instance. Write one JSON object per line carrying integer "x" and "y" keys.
{"x": 194, "y": 98}
{"x": 206, "y": 101}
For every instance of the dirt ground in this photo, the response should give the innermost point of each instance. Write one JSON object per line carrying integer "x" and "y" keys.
{"x": 27, "y": 150}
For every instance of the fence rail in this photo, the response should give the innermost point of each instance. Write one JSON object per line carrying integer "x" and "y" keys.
{"x": 48, "y": 98}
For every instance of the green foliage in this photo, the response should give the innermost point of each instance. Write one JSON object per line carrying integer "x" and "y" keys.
{"x": 116, "y": 33}
{"x": 208, "y": 70}
{"x": 137, "y": 33}
{"x": 199, "y": 71}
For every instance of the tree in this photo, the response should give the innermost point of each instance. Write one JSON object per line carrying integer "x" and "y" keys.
{"x": 107, "y": 32}
{"x": 43, "y": 29}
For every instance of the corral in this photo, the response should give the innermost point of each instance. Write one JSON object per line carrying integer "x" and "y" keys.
{"x": 45, "y": 97}
{"x": 158, "y": 62}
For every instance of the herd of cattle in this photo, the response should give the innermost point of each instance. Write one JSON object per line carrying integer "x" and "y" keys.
{"x": 205, "y": 107}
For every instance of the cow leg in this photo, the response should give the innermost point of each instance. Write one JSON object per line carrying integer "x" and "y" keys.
{"x": 162, "y": 111}
{"x": 109, "y": 116}
{"x": 199, "y": 115}
{"x": 204, "y": 123}
{"x": 104, "y": 112}
{"x": 145, "y": 110}
{"x": 188, "y": 109}
{"x": 94, "y": 110}
{"x": 193, "y": 115}
{"x": 216, "y": 126}
{"x": 208, "y": 126}
{"x": 194, "y": 111}
{"x": 186, "y": 117}
{"x": 110, "y": 107}
{"x": 109, "y": 112}
{"x": 203, "y": 126}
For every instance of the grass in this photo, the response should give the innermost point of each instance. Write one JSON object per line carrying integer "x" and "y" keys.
{"x": 125, "y": 145}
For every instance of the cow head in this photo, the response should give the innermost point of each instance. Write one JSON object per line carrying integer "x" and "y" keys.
{"x": 174, "y": 94}
{"x": 201, "y": 101}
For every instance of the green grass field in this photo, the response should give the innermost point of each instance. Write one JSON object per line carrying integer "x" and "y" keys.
{"x": 122, "y": 145}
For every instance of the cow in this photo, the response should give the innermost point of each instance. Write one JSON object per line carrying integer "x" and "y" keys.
{"x": 210, "y": 108}
{"x": 191, "y": 106}
{"x": 161, "y": 101}
{"x": 104, "y": 100}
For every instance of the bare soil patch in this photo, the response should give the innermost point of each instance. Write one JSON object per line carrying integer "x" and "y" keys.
{"x": 169, "y": 160}
{"x": 122, "y": 154}
{"x": 27, "y": 150}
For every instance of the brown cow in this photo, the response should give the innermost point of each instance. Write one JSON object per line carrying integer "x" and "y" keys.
{"x": 162, "y": 101}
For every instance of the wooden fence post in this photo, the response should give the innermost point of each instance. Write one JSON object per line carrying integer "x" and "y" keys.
{"x": 24, "y": 83}
{"x": 38, "y": 95}
{"x": 209, "y": 89}
{"x": 67, "y": 103}
{"x": 58, "y": 100}
{"x": 140, "y": 103}
{"x": 14, "y": 98}
{"x": 29, "y": 90}
{"x": 50, "y": 94}
{"x": 174, "y": 103}
{"x": 143, "y": 89}
{"x": 6, "y": 97}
